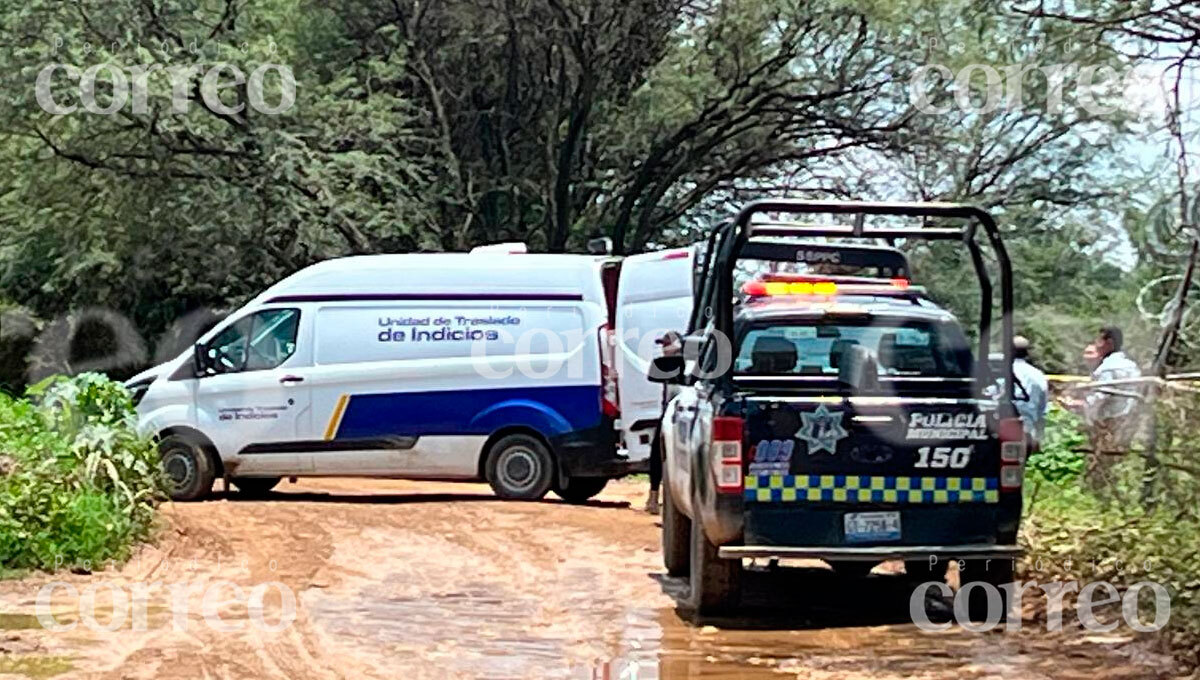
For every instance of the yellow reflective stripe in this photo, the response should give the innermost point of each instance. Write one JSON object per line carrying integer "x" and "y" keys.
{"x": 336, "y": 418}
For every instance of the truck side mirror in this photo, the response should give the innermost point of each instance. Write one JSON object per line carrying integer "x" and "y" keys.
{"x": 694, "y": 344}
{"x": 666, "y": 369}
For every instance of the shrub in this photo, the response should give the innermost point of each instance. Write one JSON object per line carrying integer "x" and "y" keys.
{"x": 78, "y": 485}
{"x": 1074, "y": 532}
{"x": 1060, "y": 458}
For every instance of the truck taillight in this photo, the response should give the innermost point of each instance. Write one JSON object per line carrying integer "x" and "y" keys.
{"x": 1012, "y": 453}
{"x": 609, "y": 398}
{"x": 727, "y": 453}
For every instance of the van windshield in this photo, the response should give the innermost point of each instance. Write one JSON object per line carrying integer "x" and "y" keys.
{"x": 907, "y": 349}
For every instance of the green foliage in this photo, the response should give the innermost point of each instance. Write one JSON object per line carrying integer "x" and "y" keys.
{"x": 431, "y": 126}
{"x": 1071, "y": 534}
{"x": 1076, "y": 531}
{"x": 1059, "y": 460}
{"x": 78, "y": 484}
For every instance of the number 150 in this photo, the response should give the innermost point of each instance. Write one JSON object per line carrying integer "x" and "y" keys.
{"x": 944, "y": 456}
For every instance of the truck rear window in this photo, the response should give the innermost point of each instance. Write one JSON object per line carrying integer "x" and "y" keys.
{"x": 898, "y": 349}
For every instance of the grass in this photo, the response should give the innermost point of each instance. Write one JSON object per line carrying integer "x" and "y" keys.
{"x": 78, "y": 485}
{"x": 35, "y": 667}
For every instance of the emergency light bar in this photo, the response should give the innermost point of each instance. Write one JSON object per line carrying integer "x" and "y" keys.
{"x": 772, "y": 285}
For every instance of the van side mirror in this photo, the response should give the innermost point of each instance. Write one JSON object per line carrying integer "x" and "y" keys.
{"x": 666, "y": 369}
{"x": 199, "y": 360}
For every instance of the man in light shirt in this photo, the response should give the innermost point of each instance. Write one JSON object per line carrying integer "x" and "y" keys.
{"x": 1107, "y": 403}
{"x": 1109, "y": 409}
{"x": 1033, "y": 392}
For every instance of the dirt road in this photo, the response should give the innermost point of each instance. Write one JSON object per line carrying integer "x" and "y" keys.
{"x": 424, "y": 580}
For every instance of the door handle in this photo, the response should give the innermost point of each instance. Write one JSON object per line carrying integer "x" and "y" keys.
{"x": 291, "y": 379}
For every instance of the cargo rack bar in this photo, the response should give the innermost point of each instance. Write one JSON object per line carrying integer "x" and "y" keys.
{"x": 727, "y": 241}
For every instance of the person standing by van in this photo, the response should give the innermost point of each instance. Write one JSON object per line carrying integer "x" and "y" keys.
{"x": 671, "y": 345}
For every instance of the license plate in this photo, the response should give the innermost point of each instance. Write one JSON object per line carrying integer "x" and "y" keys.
{"x": 872, "y": 526}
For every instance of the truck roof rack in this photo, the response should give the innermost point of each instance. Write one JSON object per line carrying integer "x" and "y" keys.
{"x": 729, "y": 241}
{"x": 889, "y": 261}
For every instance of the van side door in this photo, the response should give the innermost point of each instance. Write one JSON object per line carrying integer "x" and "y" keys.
{"x": 252, "y": 402}
{"x": 654, "y": 297}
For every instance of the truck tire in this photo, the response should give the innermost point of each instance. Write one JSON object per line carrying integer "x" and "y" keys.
{"x": 852, "y": 569}
{"x": 581, "y": 489}
{"x": 715, "y": 584}
{"x": 520, "y": 467}
{"x": 920, "y": 571}
{"x": 256, "y": 486}
{"x": 676, "y": 533}
{"x": 995, "y": 574}
{"x": 188, "y": 466}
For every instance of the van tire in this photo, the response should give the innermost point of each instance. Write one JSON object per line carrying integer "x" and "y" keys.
{"x": 715, "y": 585}
{"x": 188, "y": 466}
{"x": 676, "y": 533}
{"x": 256, "y": 486}
{"x": 520, "y": 467}
{"x": 581, "y": 489}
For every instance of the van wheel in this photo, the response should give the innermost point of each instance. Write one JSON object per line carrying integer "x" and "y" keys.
{"x": 256, "y": 486}
{"x": 188, "y": 466}
{"x": 994, "y": 574}
{"x": 716, "y": 584}
{"x": 520, "y": 467}
{"x": 676, "y": 533}
{"x": 581, "y": 489}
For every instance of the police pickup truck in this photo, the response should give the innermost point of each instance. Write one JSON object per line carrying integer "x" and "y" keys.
{"x": 837, "y": 417}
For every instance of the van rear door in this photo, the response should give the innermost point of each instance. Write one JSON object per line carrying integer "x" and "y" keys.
{"x": 654, "y": 297}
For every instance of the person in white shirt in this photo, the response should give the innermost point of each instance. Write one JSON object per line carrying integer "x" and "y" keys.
{"x": 1109, "y": 409}
{"x": 1106, "y": 403}
{"x": 1033, "y": 392}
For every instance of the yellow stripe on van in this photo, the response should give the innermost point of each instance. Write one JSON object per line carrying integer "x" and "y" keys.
{"x": 336, "y": 419}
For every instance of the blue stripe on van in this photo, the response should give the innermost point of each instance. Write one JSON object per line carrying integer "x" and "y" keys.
{"x": 549, "y": 410}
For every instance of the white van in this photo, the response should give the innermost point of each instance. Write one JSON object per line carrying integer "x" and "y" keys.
{"x": 654, "y": 297}
{"x": 429, "y": 366}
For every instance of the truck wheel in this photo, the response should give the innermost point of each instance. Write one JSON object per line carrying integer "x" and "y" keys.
{"x": 256, "y": 486}
{"x": 580, "y": 489}
{"x": 716, "y": 584}
{"x": 188, "y": 466}
{"x": 676, "y": 533}
{"x": 920, "y": 571}
{"x": 520, "y": 467}
{"x": 995, "y": 574}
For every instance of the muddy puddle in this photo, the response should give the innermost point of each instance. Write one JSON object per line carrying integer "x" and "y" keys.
{"x": 798, "y": 622}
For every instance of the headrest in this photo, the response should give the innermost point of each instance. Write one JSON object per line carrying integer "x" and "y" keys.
{"x": 773, "y": 354}
{"x": 887, "y": 350}
{"x": 838, "y": 349}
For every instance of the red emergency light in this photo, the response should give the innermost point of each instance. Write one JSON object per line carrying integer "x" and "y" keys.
{"x": 771, "y": 285}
